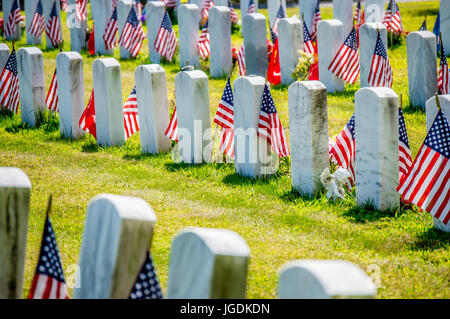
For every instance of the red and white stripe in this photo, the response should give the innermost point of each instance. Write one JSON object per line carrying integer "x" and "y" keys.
{"x": 81, "y": 10}
{"x": 37, "y": 25}
{"x": 172, "y": 129}
{"x": 170, "y": 3}
{"x": 9, "y": 85}
{"x": 444, "y": 74}
{"x": 380, "y": 72}
{"x": 203, "y": 42}
{"x": 166, "y": 41}
{"x": 241, "y": 61}
{"x": 65, "y": 5}
{"x": 345, "y": 64}
{"x": 342, "y": 152}
{"x": 110, "y": 35}
{"x": 52, "y": 95}
{"x": 405, "y": 159}
{"x": 130, "y": 115}
{"x": 87, "y": 119}
{"x": 131, "y": 38}
{"x": 227, "y": 141}
{"x": 53, "y": 30}
{"x": 206, "y": 5}
{"x": 47, "y": 287}
{"x": 14, "y": 18}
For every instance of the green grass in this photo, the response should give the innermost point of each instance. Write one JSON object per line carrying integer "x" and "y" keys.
{"x": 409, "y": 255}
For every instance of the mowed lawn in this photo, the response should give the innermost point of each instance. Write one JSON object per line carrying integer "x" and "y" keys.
{"x": 403, "y": 253}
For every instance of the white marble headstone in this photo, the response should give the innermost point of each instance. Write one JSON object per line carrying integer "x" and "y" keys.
{"x": 343, "y": 11}
{"x": 30, "y": 68}
{"x": 374, "y": 10}
{"x": 376, "y": 160}
{"x": 123, "y": 9}
{"x": 188, "y": 16}
{"x": 151, "y": 92}
{"x": 208, "y": 263}
{"x": 30, "y": 9}
{"x": 219, "y": 27}
{"x": 6, "y": 5}
{"x": 290, "y": 41}
{"x": 444, "y": 10}
{"x": 307, "y": 8}
{"x": 108, "y": 102}
{"x": 117, "y": 234}
{"x": 101, "y": 13}
{"x": 15, "y": 192}
{"x": 255, "y": 44}
{"x": 154, "y": 11}
{"x": 367, "y": 42}
{"x": 273, "y": 6}
{"x": 77, "y": 29}
{"x": 324, "y": 279}
{"x": 4, "y": 55}
{"x": 244, "y": 6}
{"x": 308, "y": 127}
{"x": 47, "y": 7}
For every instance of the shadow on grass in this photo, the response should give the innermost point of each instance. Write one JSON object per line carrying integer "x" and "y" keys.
{"x": 426, "y": 11}
{"x": 349, "y": 92}
{"x": 432, "y": 238}
{"x": 413, "y": 109}
{"x": 90, "y": 146}
{"x": 141, "y": 156}
{"x": 47, "y": 122}
{"x": 293, "y": 196}
{"x": 368, "y": 213}
{"x": 175, "y": 167}
{"x": 235, "y": 179}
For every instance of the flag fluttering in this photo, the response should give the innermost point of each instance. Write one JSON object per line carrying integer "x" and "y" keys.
{"x": 37, "y": 25}
{"x": 317, "y": 17}
{"x": 130, "y": 115}
{"x": 241, "y": 60}
{"x": 308, "y": 45}
{"x": 380, "y": 70}
{"x": 81, "y": 10}
{"x": 132, "y": 34}
{"x": 110, "y": 35}
{"x": 405, "y": 159}
{"x": 172, "y": 129}
{"x": 52, "y": 96}
{"x": 345, "y": 64}
{"x": 274, "y": 68}
{"x": 87, "y": 120}
{"x": 280, "y": 15}
{"x": 9, "y": 84}
{"x": 251, "y": 7}
{"x": 342, "y": 149}
{"x": 203, "y": 42}
{"x": 14, "y": 18}
{"x": 392, "y": 19}
{"x": 225, "y": 119}
{"x": 444, "y": 74}
{"x": 53, "y": 27}
{"x": 359, "y": 15}
{"x": 166, "y": 39}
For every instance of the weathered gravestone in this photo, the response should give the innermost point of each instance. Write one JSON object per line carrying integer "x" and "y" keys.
{"x": 221, "y": 3}
{"x": 151, "y": 92}
{"x": 444, "y": 16}
{"x": 330, "y": 38}
{"x": 77, "y": 29}
{"x": 308, "y": 124}
{"x": 155, "y": 12}
{"x": 69, "y": 75}
{"x": 4, "y": 55}
{"x": 188, "y": 16}
{"x": 374, "y": 10}
{"x": 376, "y": 160}
{"x": 30, "y": 68}
{"x": 108, "y": 102}
{"x": 48, "y": 6}
{"x": 123, "y": 9}
{"x": 244, "y": 6}
{"x": 219, "y": 27}
{"x": 30, "y": 9}
{"x": 6, "y": 5}
{"x": 255, "y": 44}
{"x": 343, "y": 11}
{"x": 252, "y": 151}
{"x": 101, "y": 13}
{"x": 324, "y": 279}
{"x": 117, "y": 235}
{"x": 290, "y": 41}
{"x": 422, "y": 70}
{"x": 431, "y": 112}
{"x": 307, "y": 8}
{"x": 194, "y": 128}
{"x": 367, "y": 42}
{"x": 273, "y": 6}
{"x": 15, "y": 192}
{"x": 208, "y": 263}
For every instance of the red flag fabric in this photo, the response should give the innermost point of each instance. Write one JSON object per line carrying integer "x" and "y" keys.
{"x": 314, "y": 72}
{"x": 91, "y": 42}
{"x": 274, "y": 71}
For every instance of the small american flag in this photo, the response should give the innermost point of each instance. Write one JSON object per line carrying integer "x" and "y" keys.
{"x": 241, "y": 60}
{"x": 308, "y": 45}
{"x": 203, "y": 42}
{"x": 315, "y": 21}
{"x": 170, "y": 3}
{"x": 166, "y": 39}
{"x": 225, "y": 118}
{"x": 139, "y": 7}
{"x": 130, "y": 115}
{"x": 53, "y": 27}
{"x": 392, "y": 19}
{"x": 280, "y": 15}
{"x": 233, "y": 15}
{"x": 9, "y": 84}
{"x": 427, "y": 183}
{"x": 87, "y": 120}
{"x": 207, "y": 4}
{"x": 342, "y": 149}
{"x": 48, "y": 281}
{"x": 251, "y": 7}
{"x": 269, "y": 125}
{"x": 111, "y": 31}
{"x": 114, "y": 3}
{"x": 81, "y": 10}
{"x": 146, "y": 285}
{"x": 132, "y": 34}
{"x": 52, "y": 95}
{"x": 64, "y": 5}
{"x": 444, "y": 74}
{"x": 172, "y": 129}
{"x": 405, "y": 159}
{"x": 359, "y": 15}
{"x": 13, "y": 19}
{"x": 423, "y": 27}
{"x": 37, "y": 25}
{"x": 345, "y": 64}
{"x": 380, "y": 71}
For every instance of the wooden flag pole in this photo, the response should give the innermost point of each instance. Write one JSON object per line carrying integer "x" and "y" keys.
{"x": 401, "y": 100}
{"x": 49, "y": 206}
{"x": 438, "y": 103}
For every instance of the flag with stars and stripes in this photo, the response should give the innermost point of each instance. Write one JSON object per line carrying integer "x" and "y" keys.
{"x": 111, "y": 31}
{"x": 269, "y": 125}
{"x": 13, "y": 19}
{"x": 170, "y": 3}
{"x": 423, "y": 27}
{"x": 166, "y": 39}
{"x": 345, "y": 64}
{"x": 146, "y": 285}
{"x": 114, "y": 3}
{"x": 427, "y": 183}
{"x": 53, "y": 27}
{"x": 206, "y": 5}
{"x": 48, "y": 281}
{"x": 203, "y": 42}
{"x": 380, "y": 70}
{"x": 315, "y": 21}
{"x": 172, "y": 129}
{"x": 37, "y": 25}
{"x": 392, "y": 19}
{"x": 241, "y": 60}
{"x": 251, "y": 7}
{"x": 233, "y": 15}
{"x": 52, "y": 95}
{"x": 280, "y": 15}
{"x": 444, "y": 74}
{"x": 342, "y": 149}
{"x": 405, "y": 159}
{"x": 81, "y": 10}
{"x": 87, "y": 119}
{"x": 308, "y": 45}
{"x": 359, "y": 15}
{"x": 130, "y": 115}
{"x": 225, "y": 119}
{"x": 132, "y": 34}
{"x": 9, "y": 84}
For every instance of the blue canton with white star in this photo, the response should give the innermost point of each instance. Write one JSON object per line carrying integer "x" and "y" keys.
{"x": 166, "y": 24}
{"x": 228, "y": 93}
{"x": 146, "y": 285}
{"x": 403, "y": 135}
{"x": 438, "y": 138}
{"x": 281, "y": 14}
{"x": 379, "y": 48}
{"x": 132, "y": 18}
{"x": 114, "y": 15}
{"x": 53, "y": 12}
{"x": 352, "y": 41}
{"x": 268, "y": 105}
{"x": 39, "y": 9}
{"x": 306, "y": 35}
{"x": 11, "y": 65}
{"x": 351, "y": 126}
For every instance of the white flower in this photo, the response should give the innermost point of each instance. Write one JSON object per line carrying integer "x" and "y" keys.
{"x": 334, "y": 183}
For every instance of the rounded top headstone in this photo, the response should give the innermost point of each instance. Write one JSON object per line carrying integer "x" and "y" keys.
{"x": 13, "y": 177}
